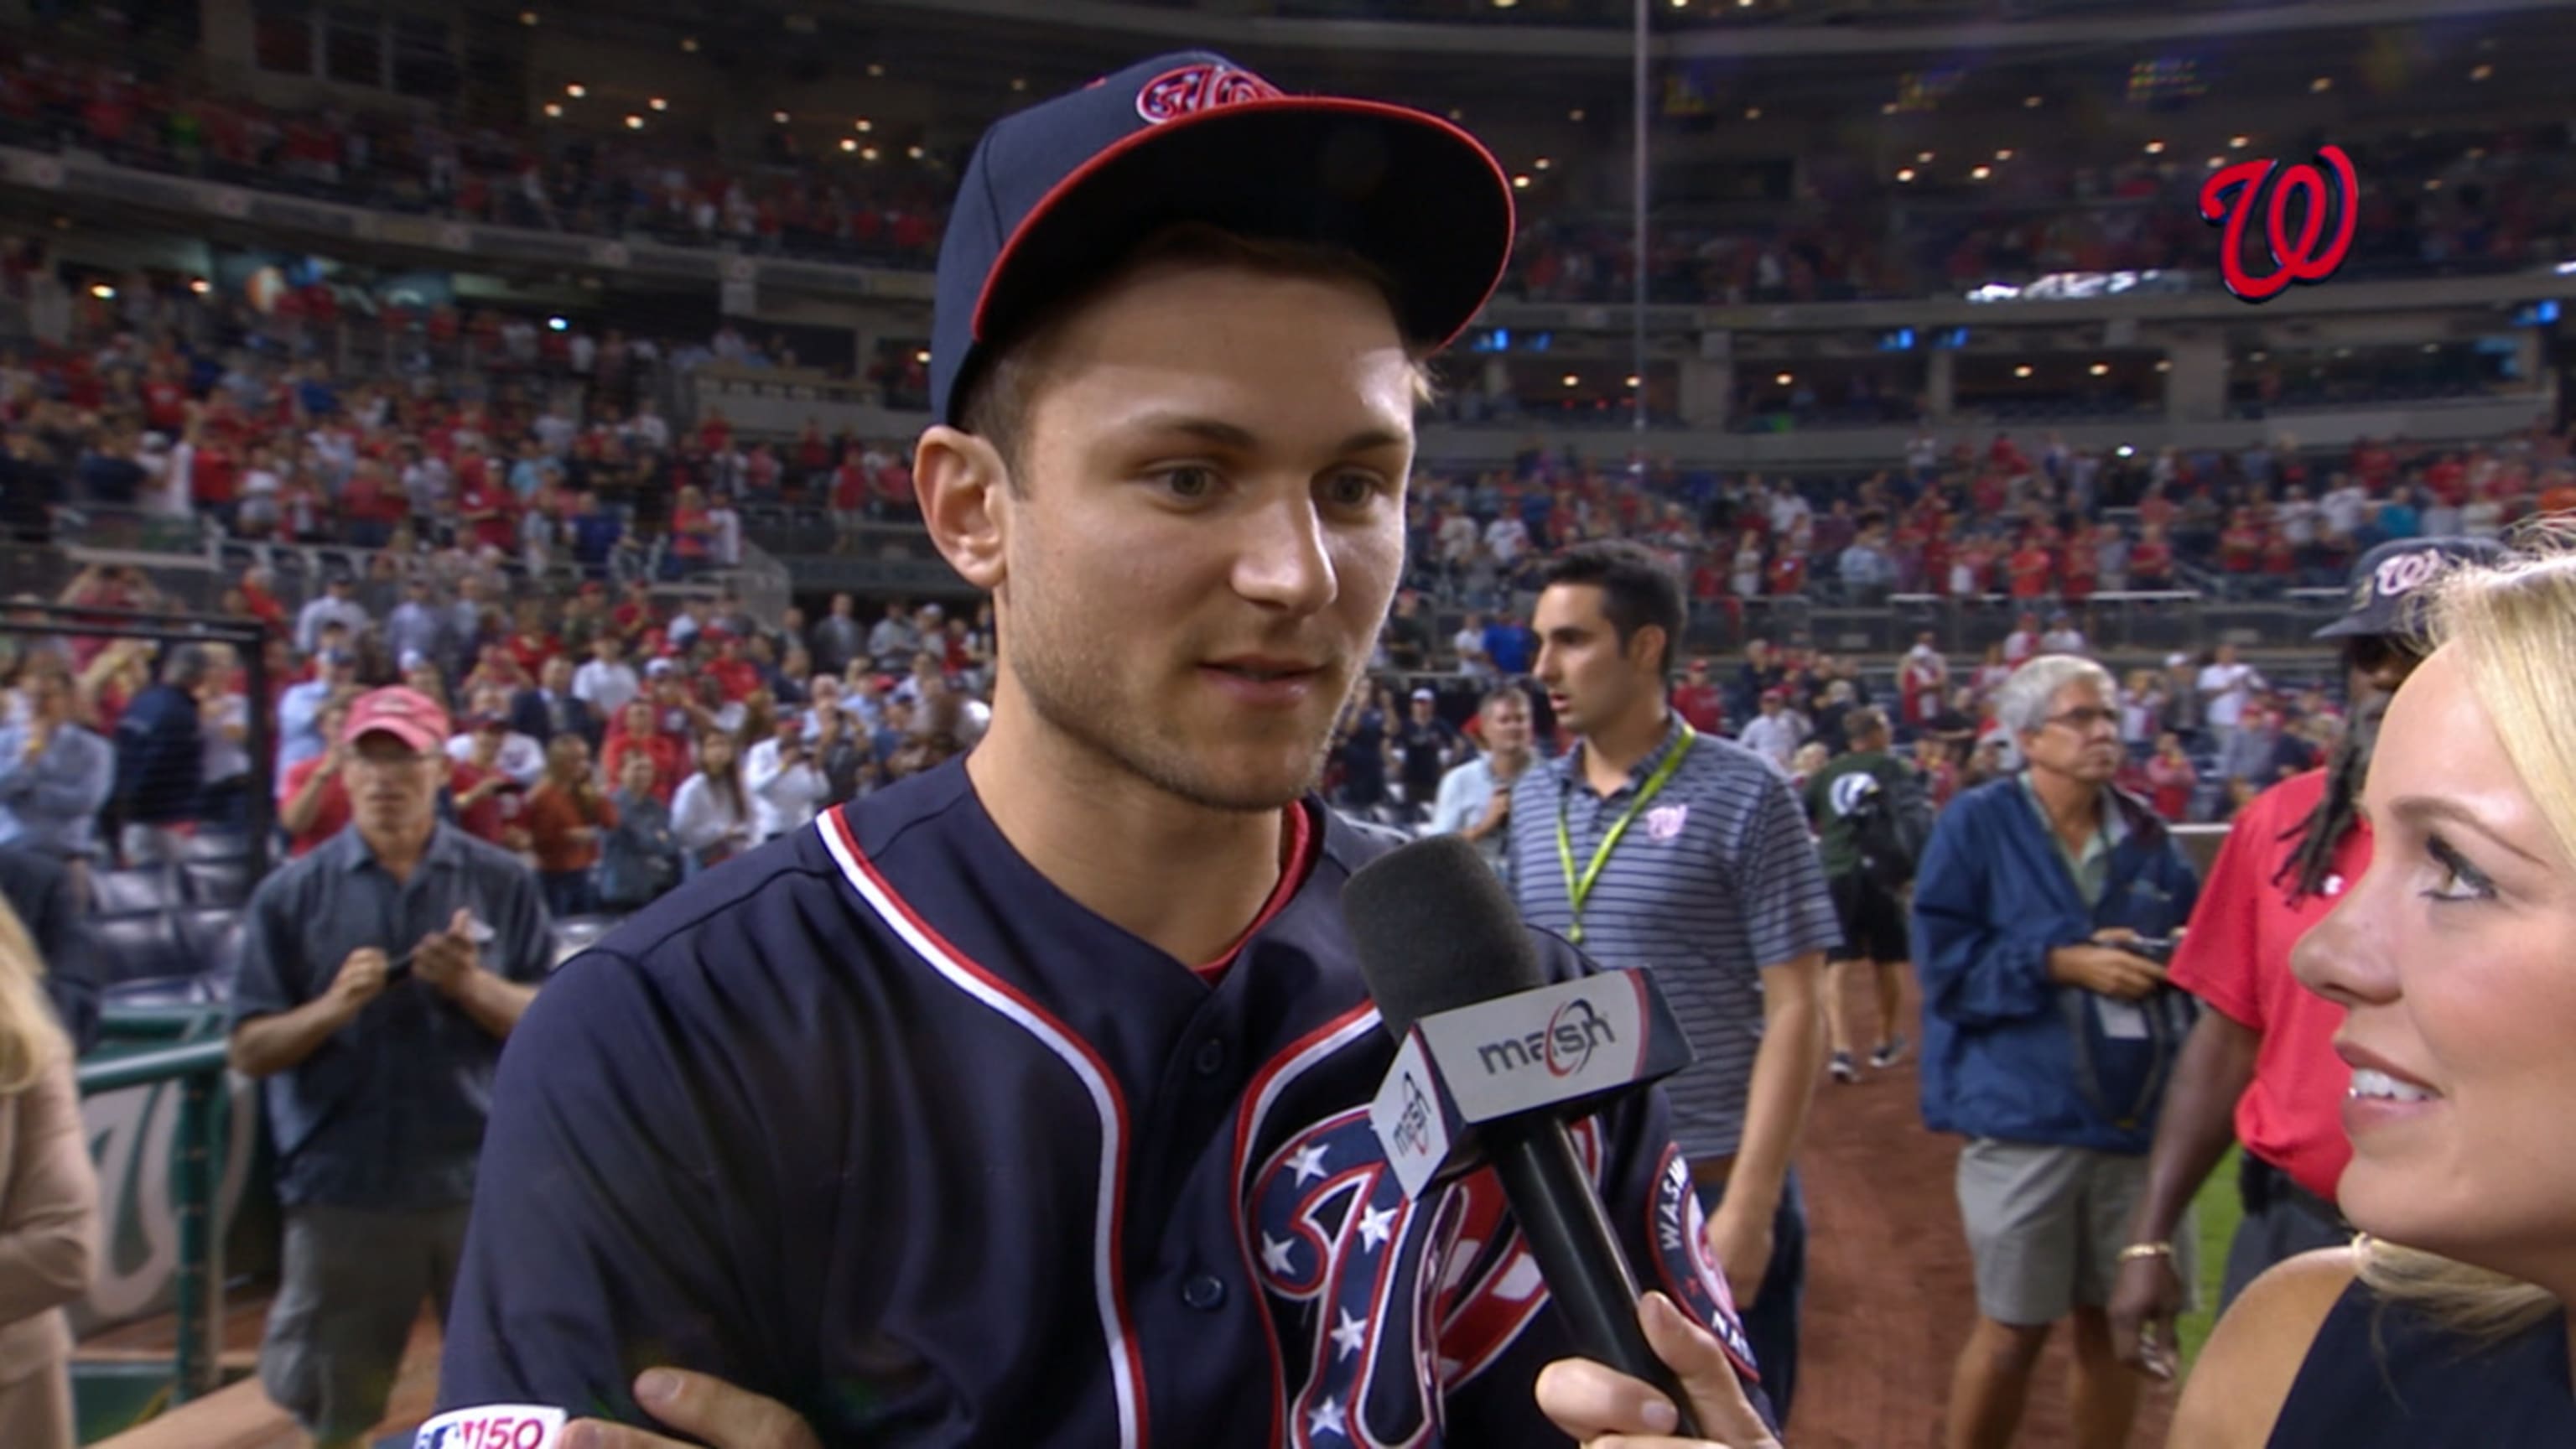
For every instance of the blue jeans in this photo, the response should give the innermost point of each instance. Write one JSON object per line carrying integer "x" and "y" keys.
{"x": 1772, "y": 1322}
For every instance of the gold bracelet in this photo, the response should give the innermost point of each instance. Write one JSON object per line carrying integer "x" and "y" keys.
{"x": 2135, "y": 1251}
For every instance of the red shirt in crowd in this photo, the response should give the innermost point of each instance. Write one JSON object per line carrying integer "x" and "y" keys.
{"x": 2236, "y": 957}
{"x": 2031, "y": 567}
{"x": 331, "y": 812}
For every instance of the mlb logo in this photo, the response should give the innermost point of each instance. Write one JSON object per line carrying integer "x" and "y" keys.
{"x": 1665, "y": 822}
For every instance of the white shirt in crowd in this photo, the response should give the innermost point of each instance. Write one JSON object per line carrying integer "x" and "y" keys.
{"x": 784, "y": 797}
{"x": 2069, "y": 640}
{"x": 348, "y": 613}
{"x": 521, "y": 757}
{"x": 2227, "y": 687}
{"x": 700, "y": 818}
{"x": 607, "y": 688}
{"x": 1775, "y": 737}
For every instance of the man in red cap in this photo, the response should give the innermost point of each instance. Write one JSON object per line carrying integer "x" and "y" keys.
{"x": 379, "y": 975}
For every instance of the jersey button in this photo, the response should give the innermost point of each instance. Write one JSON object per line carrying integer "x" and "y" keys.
{"x": 1204, "y": 1292}
{"x": 1210, "y": 1058}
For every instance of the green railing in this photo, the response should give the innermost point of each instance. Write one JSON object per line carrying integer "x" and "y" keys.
{"x": 148, "y": 1047}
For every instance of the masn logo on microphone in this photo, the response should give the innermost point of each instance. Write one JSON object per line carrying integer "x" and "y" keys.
{"x": 1564, "y": 1046}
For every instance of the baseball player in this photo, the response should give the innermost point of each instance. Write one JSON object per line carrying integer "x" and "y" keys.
{"x": 2259, "y": 1068}
{"x": 1024, "y": 1103}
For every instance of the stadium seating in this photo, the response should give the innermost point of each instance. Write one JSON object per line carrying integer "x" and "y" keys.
{"x": 141, "y": 890}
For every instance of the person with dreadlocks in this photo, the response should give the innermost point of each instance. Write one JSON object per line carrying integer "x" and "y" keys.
{"x": 2259, "y": 1068}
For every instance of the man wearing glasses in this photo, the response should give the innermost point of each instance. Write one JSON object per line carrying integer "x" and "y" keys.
{"x": 2259, "y": 1068}
{"x": 2042, "y": 911}
{"x": 379, "y": 975}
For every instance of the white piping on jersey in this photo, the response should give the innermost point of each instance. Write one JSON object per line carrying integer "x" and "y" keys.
{"x": 1274, "y": 1079}
{"x": 1126, "y": 1366}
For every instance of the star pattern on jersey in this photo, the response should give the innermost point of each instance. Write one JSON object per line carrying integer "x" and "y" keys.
{"x": 1375, "y": 1225}
{"x": 1307, "y": 1163}
{"x": 1279, "y": 1255}
{"x": 1349, "y": 1335}
{"x": 1326, "y": 1418}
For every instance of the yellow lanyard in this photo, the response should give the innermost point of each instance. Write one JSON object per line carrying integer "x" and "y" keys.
{"x": 1578, "y": 887}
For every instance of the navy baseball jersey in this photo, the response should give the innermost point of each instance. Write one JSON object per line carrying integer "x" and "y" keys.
{"x": 877, "y": 1122}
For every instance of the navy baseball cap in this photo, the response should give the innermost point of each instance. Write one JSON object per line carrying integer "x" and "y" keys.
{"x": 1056, "y": 195}
{"x": 2387, "y": 579}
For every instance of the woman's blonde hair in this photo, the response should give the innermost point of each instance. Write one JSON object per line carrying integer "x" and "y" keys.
{"x": 30, "y": 1040}
{"x": 2514, "y": 625}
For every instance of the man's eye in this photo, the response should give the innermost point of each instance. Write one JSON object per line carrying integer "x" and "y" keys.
{"x": 1188, "y": 483}
{"x": 1351, "y": 490}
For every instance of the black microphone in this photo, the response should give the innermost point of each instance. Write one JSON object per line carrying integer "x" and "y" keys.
{"x": 1436, "y": 932}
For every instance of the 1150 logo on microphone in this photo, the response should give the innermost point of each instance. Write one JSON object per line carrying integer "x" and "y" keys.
{"x": 2267, "y": 186}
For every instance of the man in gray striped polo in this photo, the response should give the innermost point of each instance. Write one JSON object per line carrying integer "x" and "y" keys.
{"x": 1650, "y": 844}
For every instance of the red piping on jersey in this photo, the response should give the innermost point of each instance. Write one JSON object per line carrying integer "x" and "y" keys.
{"x": 1295, "y": 862}
{"x": 1248, "y": 1122}
{"x": 836, "y": 831}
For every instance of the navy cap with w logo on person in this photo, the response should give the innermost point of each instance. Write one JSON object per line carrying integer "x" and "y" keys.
{"x": 1057, "y": 195}
{"x": 2389, "y": 580}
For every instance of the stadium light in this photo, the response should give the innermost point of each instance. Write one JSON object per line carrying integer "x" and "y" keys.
{"x": 576, "y": 90}
{"x": 106, "y": 293}
{"x": 1575, "y": 115}
{"x": 876, "y": 71}
{"x": 863, "y": 125}
{"x": 2321, "y": 85}
{"x": 1505, "y": 4}
{"x": 2483, "y": 72}
{"x": 200, "y": 286}
{"x": 1753, "y": 113}
{"x": 634, "y": 123}
{"x": 922, "y": 357}
{"x": 2164, "y": 364}
{"x": 1632, "y": 379}
{"x": 1570, "y": 379}
{"x": 867, "y": 153}
{"x": 2030, "y": 103}
{"x": 557, "y": 324}
{"x": 1982, "y": 172}
{"x": 2155, "y": 148}
{"x": 2239, "y": 143}
{"x": 914, "y": 152}
{"x": 659, "y": 104}
{"x": 527, "y": 17}
{"x": 2100, "y": 369}
{"x": 2022, "y": 371}
{"x": 1520, "y": 183}
{"x": 1923, "y": 157}
{"x": 1786, "y": 378}
{"x": 689, "y": 43}
{"x": 2217, "y": 161}
{"x": 1887, "y": 109}
{"x": 779, "y": 116}
{"x": 1906, "y": 174}
{"x": 2003, "y": 153}
{"x": 554, "y": 110}
{"x": 2125, "y": 451}
{"x": 1019, "y": 83}
{"x": 1541, "y": 164}
{"x": 849, "y": 144}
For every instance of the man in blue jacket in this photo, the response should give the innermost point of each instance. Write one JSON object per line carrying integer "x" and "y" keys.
{"x": 2048, "y": 1036}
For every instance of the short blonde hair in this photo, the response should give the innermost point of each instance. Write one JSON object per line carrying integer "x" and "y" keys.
{"x": 2514, "y": 626}
{"x": 30, "y": 1039}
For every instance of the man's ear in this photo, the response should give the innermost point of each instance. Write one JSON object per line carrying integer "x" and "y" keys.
{"x": 960, "y": 481}
{"x": 1646, "y": 645}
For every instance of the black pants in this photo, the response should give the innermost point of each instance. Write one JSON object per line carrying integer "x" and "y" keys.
{"x": 2282, "y": 1220}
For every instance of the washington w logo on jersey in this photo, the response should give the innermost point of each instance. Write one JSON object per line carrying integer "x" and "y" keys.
{"x": 1382, "y": 1305}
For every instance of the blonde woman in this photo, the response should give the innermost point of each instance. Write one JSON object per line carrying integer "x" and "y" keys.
{"x": 48, "y": 1204}
{"x": 2450, "y": 957}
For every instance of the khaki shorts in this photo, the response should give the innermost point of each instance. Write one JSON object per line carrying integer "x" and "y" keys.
{"x": 2046, "y": 1226}
{"x": 350, "y": 1289}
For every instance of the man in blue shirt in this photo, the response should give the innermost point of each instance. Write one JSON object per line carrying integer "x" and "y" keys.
{"x": 379, "y": 975}
{"x": 2048, "y": 1037}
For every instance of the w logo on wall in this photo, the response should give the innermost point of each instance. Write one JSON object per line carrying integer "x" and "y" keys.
{"x": 2267, "y": 186}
